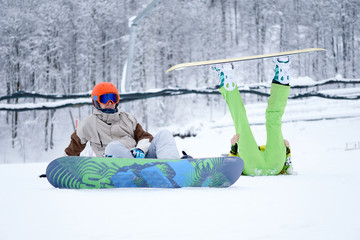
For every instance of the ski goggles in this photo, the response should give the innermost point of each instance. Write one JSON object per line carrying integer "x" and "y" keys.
{"x": 106, "y": 98}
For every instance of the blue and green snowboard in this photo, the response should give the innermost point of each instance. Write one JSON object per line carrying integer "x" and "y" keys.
{"x": 96, "y": 172}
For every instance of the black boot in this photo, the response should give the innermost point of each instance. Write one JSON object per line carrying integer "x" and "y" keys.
{"x": 185, "y": 156}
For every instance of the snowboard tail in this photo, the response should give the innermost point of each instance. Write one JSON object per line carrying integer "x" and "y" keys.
{"x": 228, "y": 60}
{"x": 94, "y": 172}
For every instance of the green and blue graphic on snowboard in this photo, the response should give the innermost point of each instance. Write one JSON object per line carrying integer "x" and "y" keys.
{"x": 95, "y": 172}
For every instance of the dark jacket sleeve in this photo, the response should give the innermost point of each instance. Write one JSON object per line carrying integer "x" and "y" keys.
{"x": 140, "y": 134}
{"x": 75, "y": 147}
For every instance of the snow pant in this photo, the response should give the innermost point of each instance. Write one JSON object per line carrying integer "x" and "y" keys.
{"x": 256, "y": 162}
{"x": 162, "y": 146}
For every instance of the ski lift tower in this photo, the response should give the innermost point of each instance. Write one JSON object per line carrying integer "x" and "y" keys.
{"x": 133, "y": 22}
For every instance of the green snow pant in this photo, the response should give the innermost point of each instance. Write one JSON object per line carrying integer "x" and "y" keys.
{"x": 256, "y": 162}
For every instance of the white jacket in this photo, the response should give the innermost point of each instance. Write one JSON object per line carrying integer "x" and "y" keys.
{"x": 101, "y": 128}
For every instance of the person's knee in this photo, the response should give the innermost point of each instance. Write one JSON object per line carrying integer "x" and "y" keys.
{"x": 164, "y": 133}
{"x": 114, "y": 145}
{"x": 114, "y": 149}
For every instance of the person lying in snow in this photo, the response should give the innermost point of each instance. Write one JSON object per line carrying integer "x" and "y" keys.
{"x": 274, "y": 157}
{"x": 287, "y": 169}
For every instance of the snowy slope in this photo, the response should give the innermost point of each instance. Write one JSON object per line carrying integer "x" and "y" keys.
{"x": 321, "y": 202}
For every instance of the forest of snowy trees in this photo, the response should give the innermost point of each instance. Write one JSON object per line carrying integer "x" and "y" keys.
{"x": 65, "y": 46}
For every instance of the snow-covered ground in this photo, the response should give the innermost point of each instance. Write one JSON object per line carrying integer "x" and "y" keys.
{"x": 320, "y": 202}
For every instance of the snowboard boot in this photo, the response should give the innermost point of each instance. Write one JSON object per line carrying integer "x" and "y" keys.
{"x": 226, "y": 74}
{"x": 282, "y": 70}
{"x": 185, "y": 156}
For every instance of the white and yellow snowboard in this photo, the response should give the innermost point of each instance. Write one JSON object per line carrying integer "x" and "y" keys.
{"x": 227, "y": 60}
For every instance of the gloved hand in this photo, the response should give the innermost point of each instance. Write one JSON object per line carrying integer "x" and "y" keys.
{"x": 137, "y": 153}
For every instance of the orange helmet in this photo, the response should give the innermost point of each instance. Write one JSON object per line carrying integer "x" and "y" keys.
{"x": 105, "y": 92}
